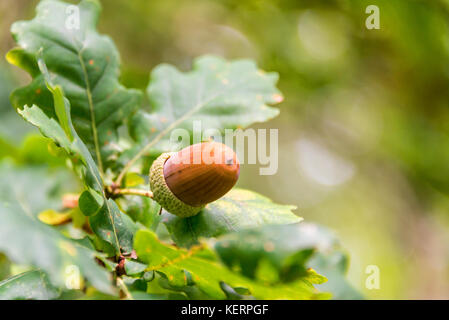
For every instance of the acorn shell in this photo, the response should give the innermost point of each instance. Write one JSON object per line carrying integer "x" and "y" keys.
{"x": 202, "y": 173}
{"x": 184, "y": 182}
{"x": 162, "y": 193}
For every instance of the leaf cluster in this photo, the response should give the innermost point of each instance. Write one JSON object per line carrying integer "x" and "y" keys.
{"x": 98, "y": 244}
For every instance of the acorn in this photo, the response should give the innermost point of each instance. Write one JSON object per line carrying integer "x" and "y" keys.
{"x": 184, "y": 182}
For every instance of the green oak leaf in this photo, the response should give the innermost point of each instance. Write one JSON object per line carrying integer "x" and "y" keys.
{"x": 90, "y": 202}
{"x": 285, "y": 247}
{"x": 285, "y": 252}
{"x": 36, "y": 188}
{"x": 84, "y": 63}
{"x": 239, "y": 209}
{"x": 334, "y": 265}
{"x": 109, "y": 223}
{"x": 134, "y": 267}
{"x": 139, "y": 289}
{"x": 27, "y": 286}
{"x": 114, "y": 226}
{"x": 142, "y": 210}
{"x": 13, "y": 129}
{"x": 219, "y": 94}
{"x": 199, "y": 267}
{"x": 139, "y": 295}
{"x": 38, "y": 150}
{"x": 25, "y": 240}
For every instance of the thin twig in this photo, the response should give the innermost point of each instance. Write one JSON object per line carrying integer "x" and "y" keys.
{"x": 145, "y": 149}
{"x": 136, "y": 192}
{"x": 125, "y": 290}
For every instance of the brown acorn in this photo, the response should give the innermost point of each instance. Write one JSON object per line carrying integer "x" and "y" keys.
{"x": 184, "y": 182}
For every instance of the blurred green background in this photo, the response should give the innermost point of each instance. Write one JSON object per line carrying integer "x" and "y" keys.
{"x": 364, "y": 128}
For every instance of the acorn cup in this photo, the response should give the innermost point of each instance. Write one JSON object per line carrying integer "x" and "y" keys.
{"x": 184, "y": 182}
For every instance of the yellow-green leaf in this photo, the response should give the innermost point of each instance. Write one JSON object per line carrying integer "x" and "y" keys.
{"x": 200, "y": 267}
{"x": 53, "y": 217}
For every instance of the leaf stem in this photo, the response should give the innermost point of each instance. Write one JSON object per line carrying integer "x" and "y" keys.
{"x": 146, "y": 148}
{"x": 136, "y": 192}
{"x": 125, "y": 290}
